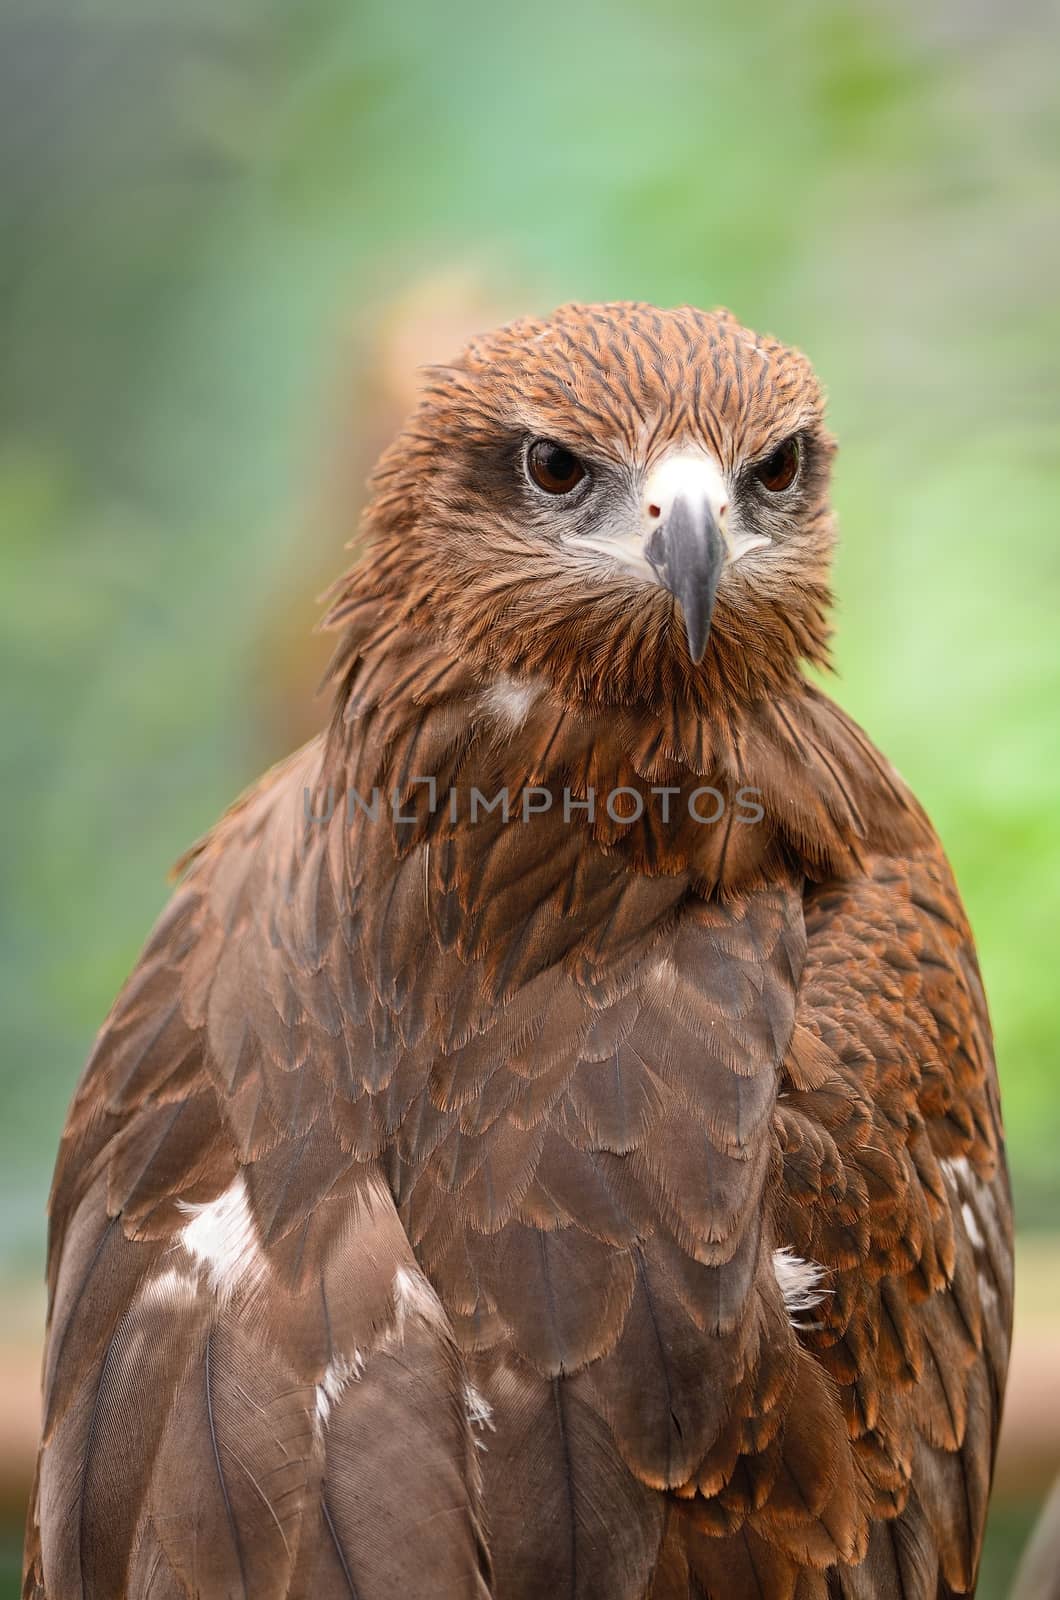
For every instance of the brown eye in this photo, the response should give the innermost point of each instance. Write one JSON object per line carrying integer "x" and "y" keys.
{"x": 552, "y": 468}
{"x": 779, "y": 470}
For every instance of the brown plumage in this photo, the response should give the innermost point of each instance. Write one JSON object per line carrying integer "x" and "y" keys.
{"x": 598, "y": 1202}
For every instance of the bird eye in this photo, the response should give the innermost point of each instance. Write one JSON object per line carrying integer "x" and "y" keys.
{"x": 553, "y": 468}
{"x": 779, "y": 470}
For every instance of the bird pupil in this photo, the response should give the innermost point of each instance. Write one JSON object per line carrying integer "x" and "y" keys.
{"x": 778, "y": 470}
{"x": 553, "y": 468}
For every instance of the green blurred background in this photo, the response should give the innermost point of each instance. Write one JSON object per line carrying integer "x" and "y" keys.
{"x": 229, "y": 233}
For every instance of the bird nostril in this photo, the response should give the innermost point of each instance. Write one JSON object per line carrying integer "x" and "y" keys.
{"x": 654, "y": 511}
{"x": 723, "y": 510}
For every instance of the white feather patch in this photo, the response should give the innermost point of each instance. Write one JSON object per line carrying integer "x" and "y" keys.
{"x": 509, "y": 701}
{"x": 988, "y": 1295}
{"x": 978, "y": 1205}
{"x": 414, "y": 1297}
{"x": 971, "y": 1225}
{"x": 221, "y": 1238}
{"x": 478, "y": 1409}
{"x": 170, "y": 1288}
{"x": 982, "y": 1226}
{"x": 338, "y": 1375}
{"x": 956, "y": 1169}
{"x": 799, "y": 1280}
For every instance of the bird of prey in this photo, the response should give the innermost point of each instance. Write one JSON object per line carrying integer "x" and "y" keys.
{"x": 550, "y": 1144}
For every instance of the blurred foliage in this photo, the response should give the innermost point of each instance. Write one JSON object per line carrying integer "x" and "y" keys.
{"x": 207, "y": 212}
{"x": 197, "y": 204}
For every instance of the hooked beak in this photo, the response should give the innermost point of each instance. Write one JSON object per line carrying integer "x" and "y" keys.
{"x": 686, "y": 551}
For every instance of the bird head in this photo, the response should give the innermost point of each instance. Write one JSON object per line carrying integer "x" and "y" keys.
{"x": 633, "y": 501}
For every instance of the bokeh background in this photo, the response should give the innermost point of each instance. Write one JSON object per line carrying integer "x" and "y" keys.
{"x": 229, "y": 232}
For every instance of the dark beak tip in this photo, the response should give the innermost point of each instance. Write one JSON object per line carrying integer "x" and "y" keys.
{"x": 697, "y": 650}
{"x": 687, "y": 555}
{"x": 697, "y": 635}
